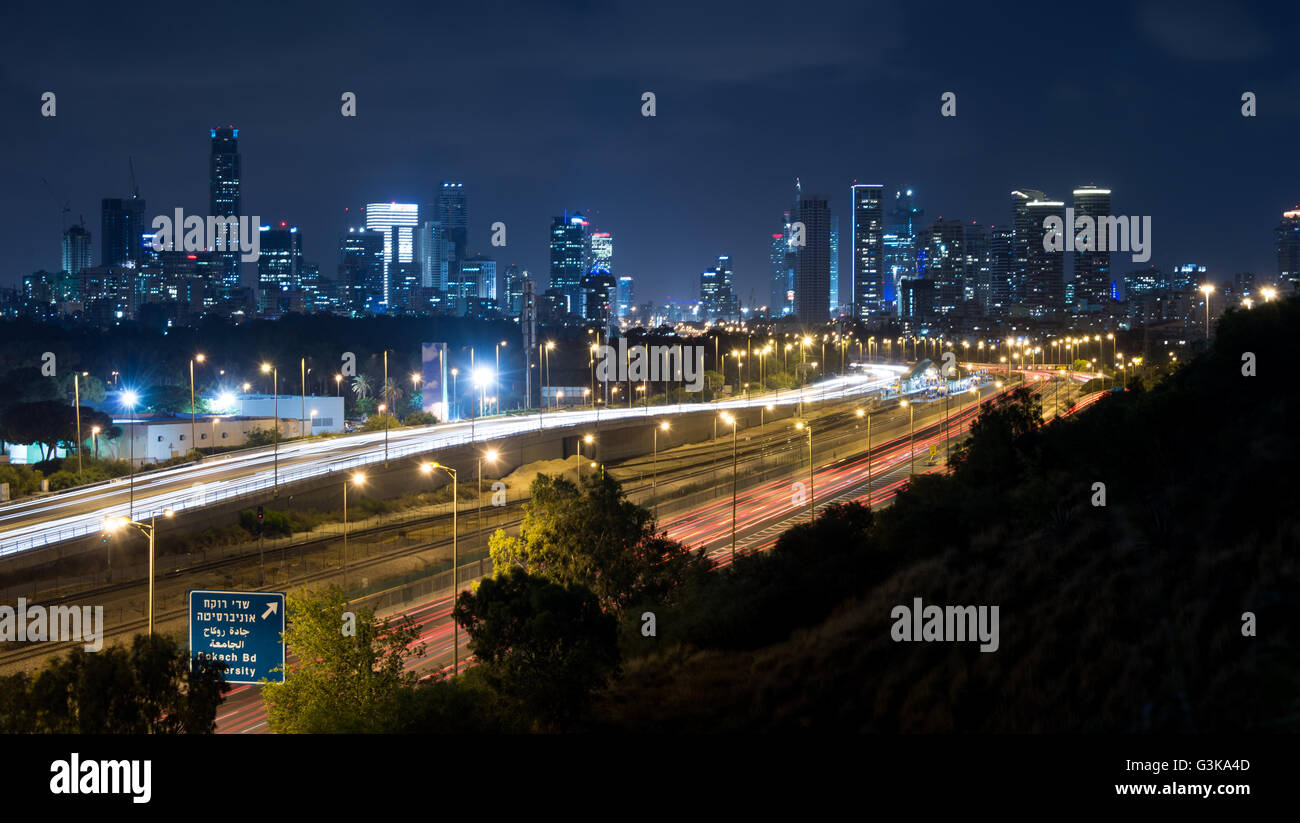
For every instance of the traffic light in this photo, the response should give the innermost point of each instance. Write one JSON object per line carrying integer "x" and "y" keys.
{"x": 259, "y": 519}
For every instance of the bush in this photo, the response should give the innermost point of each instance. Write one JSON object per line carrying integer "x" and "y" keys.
{"x": 22, "y": 480}
{"x": 419, "y": 418}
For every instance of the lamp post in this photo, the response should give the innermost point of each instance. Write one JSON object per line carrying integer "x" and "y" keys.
{"x": 112, "y": 524}
{"x": 428, "y": 468}
{"x": 1207, "y": 290}
{"x": 383, "y": 406}
{"x": 812, "y": 494}
{"x": 357, "y": 479}
{"x": 654, "y": 478}
{"x": 311, "y": 422}
{"x": 129, "y": 399}
{"x": 491, "y": 456}
{"x": 275, "y": 405}
{"x": 588, "y": 439}
{"x": 455, "y": 398}
{"x": 415, "y": 386}
{"x": 911, "y": 429}
{"x": 338, "y": 385}
{"x": 499, "y": 347}
{"x": 94, "y": 440}
{"x": 193, "y": 438}
{"x": 76, "y": 408}
{"x": 731, "y": 418}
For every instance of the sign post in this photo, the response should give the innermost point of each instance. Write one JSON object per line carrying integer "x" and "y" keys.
{"x": 243, "y": 629}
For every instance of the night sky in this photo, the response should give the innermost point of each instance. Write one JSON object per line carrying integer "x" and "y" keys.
{"x": 536, "y": 107}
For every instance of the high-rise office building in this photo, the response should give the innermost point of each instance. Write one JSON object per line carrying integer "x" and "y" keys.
{"x": 868, "y": 250}
{"x": 437, "y": 255}
{"x": 76, "y": 250}
{"x": 568, "y": 248}
{"x": 718, "y": 291}
{"x": 625, "y": 296}
{"x": 976, "y": 276}
{"x": 902, "y": 222}
{"x": 361, "y": 270}
{"x": 1001, "y": 258}
{"x": 513, "y": 289}
{"x": 779, "y": 275}
{"x": 602, "y": 251}
{"x": 942, "y": 262}
{"x": 397, "y": 221}
{"x": 812, "y": 273}
{"x": 1025, "y": 234}
{"x": 224, "y": 198}
{"x": 835, "y": 265}
{"x": 1044, "y": 283}
{"x": 1092, "y": 281}
{"x": 478, "y": 278}
{"x": 453, "y": 213}
{"x": 279, "y": 266}
{"x": 120, "y": 228}
{"x": 1287, "y": 240}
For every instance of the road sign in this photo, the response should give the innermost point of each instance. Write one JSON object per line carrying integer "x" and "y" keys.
{"x": 244, "y": 629}
{"x": 934, "y": 450}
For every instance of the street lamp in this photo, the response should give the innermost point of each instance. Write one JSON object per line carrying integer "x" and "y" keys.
{"x": 455, "y": 398}
{"x": 654, "y": 481}
{"x": 311, "y": 422}
{"x": 491, "y": 456}
{"x": 911, "y": 429}
{"x": 357, "y": 479}
{"x": 275, "y": 406}
{"x": 129, "y": 399}
{"x": 812, "y": 494}
{"x": 1207, "y": 290}
{"x": 383, "y": 412}
{"x": 112, "y": 524}
{"x": 338, "y": 385}
{"x": 588, "y": 439}
{"x": 499, "y": 347}
{"x": 94, "y": 440}
{"x": 428, "y": 468}
{"x": 193, "y": 440}
{"x": 731, "y": 419}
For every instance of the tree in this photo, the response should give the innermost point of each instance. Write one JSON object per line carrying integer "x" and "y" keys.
{"x": 548, "y": 646}
{"x": 347, "y": 674}
{"x": 376, "y": 422}
{"x": 419, "y": 418}
{"x": 49, "y": 423}
{"x": 168, "y": 399}
{"x": 593, "y": 535}
{"x": 150, "y": 687}
{"x": 361, "y": 386}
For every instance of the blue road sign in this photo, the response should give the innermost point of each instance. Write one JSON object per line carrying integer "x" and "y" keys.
{"x": 244, "y": 629}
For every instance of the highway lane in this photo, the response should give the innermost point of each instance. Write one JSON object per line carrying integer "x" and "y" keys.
{"x": 763, "y": 512}
{"x": 34, "y": 522}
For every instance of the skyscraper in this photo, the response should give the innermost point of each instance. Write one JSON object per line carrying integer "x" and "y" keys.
{"x": 902, "y": 222}
{"x": 779, "y": 275}
{"x": 453, "y": 214}
{"x": 478, "y": 278}
{"x": 224, "y": 194}
{"x": 1001, "y": 256}
{"x": 120, "y": 229}
{"x": 361, "y": 270}
{"x": 1287, "y": 237}
{"x": 625, "y": 296}
{"x": 437, "y": 255}
{"x": 602, "y": 251}
{"x": 718, "y": 290}
{"x": 945, "y": 264}
{"x": 835, "y": 265}
{"x": 1026, "y": 234}
{"x": 1091, "y": 267}
{"x": 812, "y": 273}
{"x": 512, "y": 301}
{"x": 76, "y": 250}
{"x": 279, "y": 266}
{"x": 1044, "y": 285}
{"x": 868, "y": 250}
{"x": 568, "y": 245}
{"x": 397, "y": 221}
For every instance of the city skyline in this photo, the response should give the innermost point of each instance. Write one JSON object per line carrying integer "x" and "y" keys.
{"x": 303, "y": 162}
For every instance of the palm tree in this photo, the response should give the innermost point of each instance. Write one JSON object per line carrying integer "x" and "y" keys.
{"x": 361, "y": 386}
{"x": 394, "y": 393}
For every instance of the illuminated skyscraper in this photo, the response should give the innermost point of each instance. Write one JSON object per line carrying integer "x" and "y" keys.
{"x": 812, "y": 272}
{"x": 437, "y": 255}
{"x": 76, "y": 250}
{"x": 868, "y": 250}
{"x": 120, "y": 229}
{"x": 1044, "y": 283}
{"x": 1092, "y": 284}
{"x": 1287, "y": 236}
{"x": 279, "y": 266}
{"x": 568, "y": 245}
{"x": 397, "y": 221}
{"x": 835, "y": 265}
{"x": 626, "y": 296}
{"x": 779, "y": 275}
{"x": 602, "y": 251}
{"x": 224, "y": 198}
{"x": 361, "y": 271}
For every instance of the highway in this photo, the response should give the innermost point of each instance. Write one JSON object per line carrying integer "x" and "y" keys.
{"x": 34, "y": 522}
{"x": 763, "y": 512}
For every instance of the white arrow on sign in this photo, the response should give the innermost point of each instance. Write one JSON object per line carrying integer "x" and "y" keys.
{"x": 272, "y": 608}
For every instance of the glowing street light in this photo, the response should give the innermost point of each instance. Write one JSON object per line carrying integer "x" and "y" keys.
{"x": 427, "y": 468}
{"x": 357, "y": 480}
{"x": 275, "y": 406}
{"x": 113, "y": 524}
{"x": 812, "y": 495}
